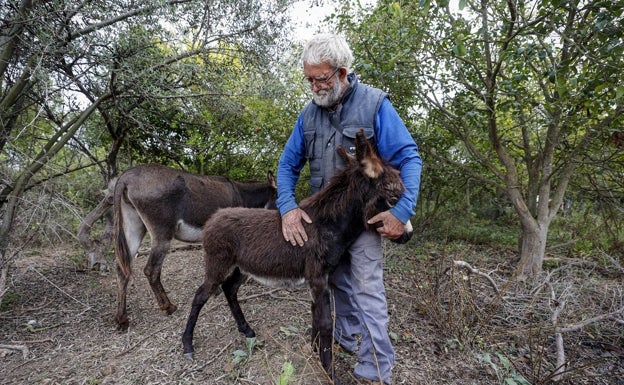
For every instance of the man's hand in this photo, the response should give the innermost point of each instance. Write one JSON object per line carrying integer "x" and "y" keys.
{"x": 388, "y": 226}
{"x": 292, "y": 227}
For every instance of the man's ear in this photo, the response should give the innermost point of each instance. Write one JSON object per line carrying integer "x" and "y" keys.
{"x": 342, "y": 73}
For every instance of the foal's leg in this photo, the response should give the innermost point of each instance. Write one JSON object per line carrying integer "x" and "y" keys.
{"x": 322, "y": 333}
{"x": 230, "y": 290}
{"x": 152, "y": 272}
{"x": 201, "y": 296}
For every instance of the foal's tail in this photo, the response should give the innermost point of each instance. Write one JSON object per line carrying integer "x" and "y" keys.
{"x": 122, "y": 253}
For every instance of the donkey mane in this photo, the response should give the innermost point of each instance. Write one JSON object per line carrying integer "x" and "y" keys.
{"x": 334, "y": 200}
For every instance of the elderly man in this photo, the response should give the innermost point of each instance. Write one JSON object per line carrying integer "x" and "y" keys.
{"x": 341, "y": 106}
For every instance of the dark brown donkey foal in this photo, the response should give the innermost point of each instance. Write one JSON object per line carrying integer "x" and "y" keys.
{"x": 170, "y": 204}
{"x": 241, "y": 242}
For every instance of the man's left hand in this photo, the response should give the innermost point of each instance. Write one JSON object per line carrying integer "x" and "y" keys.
{"x": 391, "y": 228}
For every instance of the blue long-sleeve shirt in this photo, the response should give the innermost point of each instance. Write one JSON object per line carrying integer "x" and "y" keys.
{"x": 394, "y": 144}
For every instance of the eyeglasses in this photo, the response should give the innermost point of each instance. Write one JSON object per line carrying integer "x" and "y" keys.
{"x": 319, "y": 81}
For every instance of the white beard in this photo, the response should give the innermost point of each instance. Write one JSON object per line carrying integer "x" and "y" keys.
{"x": 328, "y": 98}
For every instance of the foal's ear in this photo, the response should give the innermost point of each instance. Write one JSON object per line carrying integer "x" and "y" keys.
{"x": 344, "y": 154}
{"x": 366, "y": 155}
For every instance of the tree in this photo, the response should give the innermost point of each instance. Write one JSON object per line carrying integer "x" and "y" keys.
{"x": 69, "y": 69}
{"x": 524, "y": 86}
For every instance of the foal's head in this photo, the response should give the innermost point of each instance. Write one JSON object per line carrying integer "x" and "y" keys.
{"x": 384, "y": 182}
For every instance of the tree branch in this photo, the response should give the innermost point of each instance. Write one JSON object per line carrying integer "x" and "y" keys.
{"x": 473, "y": 270}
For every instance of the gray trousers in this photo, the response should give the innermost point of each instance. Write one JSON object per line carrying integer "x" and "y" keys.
{"x": 361, "y": 309}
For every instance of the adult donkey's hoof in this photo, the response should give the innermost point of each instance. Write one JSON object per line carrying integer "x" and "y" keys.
{"x": 122, "y": 323}
{"x": 188, "y": 356}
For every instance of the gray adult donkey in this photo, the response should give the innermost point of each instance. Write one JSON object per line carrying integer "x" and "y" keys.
{"x": 170, "y": 204}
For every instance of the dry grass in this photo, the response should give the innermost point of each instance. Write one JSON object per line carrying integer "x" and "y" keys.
{"x": 443, "y": 322}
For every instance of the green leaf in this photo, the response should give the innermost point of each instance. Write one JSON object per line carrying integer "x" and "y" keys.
{"x": 462, "y": 4}
{"x": 250, "y": 343}
{"x": 288, "y": 371}
{"x": 504, "y": 361}
{"x": 619, "y": 92}
{"x": 289, "y": 331}
{"x": 396, "y": 9}
{"x": 459, "y": 49}
{"x": 239, "y": 356}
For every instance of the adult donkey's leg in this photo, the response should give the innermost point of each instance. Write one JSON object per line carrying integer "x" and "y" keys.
{"x": 121, "y": 316}
{"x": 130, "y": 233}
{"x": 230, "y": 290}
{"x": 153, "y": 267}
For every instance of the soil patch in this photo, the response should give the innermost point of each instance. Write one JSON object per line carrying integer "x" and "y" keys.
{"x": 62, "y": 317}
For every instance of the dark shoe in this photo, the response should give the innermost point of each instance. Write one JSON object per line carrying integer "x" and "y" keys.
{"x": 368, "y": 381}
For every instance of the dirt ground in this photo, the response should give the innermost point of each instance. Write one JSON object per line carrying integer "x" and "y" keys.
{"x": 61, "y": 317}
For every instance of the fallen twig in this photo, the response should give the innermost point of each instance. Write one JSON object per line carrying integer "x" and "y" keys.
{"x": 33, "y": 341}
{"x": 33, "y": 329}
{"x": 561, "y": 358}
{"x": 141, "y": 340}
{"x": 204, "y": 364}
{"x": 22, "y": 348}
{"x": 588, "y": 321}
{"x": 613, "y": 261}
{"x": 473, "y": 270}
{"x": 217, "y": 356}
{"x": 61, "y": 290}
{"x": 264, "y": 293}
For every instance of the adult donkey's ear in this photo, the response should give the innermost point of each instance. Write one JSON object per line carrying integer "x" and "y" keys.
{"x": 366, "y": 155}
{"x": 271, "y": 179}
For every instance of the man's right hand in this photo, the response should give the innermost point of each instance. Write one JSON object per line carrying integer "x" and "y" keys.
{"x": 292, "y": 227}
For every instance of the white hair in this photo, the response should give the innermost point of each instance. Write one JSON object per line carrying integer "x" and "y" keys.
{"x": 329, "y": 48}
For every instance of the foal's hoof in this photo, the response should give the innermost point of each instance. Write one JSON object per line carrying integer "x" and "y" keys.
{"x": 188, "y": 356}
{"x": 170, "y": 309}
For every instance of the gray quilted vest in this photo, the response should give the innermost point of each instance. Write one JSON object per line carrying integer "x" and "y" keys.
{"x": 325, "y": 129}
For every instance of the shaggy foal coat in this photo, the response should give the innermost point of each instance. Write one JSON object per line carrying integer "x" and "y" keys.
{"x": 240, "y": 242}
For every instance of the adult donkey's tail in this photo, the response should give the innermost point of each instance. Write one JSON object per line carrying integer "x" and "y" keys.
{"x": 122, "y": 252}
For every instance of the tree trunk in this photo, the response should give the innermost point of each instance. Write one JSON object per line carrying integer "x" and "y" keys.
{"x": 532, "y": 250}
{"x": 6, "y": 257}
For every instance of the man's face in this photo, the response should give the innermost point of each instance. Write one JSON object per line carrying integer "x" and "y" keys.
{"x": 325, "y": 83}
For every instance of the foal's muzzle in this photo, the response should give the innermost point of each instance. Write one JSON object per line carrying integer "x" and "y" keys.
{"x": 407, "y": 234}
